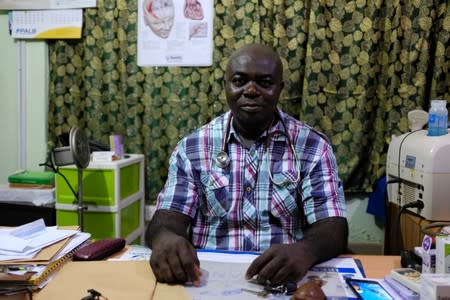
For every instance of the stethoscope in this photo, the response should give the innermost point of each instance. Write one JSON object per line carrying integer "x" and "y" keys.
{"x": 222, "y": 159}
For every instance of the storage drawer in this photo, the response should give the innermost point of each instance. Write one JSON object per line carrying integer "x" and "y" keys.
{"x": 104, "y": 224}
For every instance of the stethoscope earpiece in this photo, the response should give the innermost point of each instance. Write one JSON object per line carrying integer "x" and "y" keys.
{"x": 222, "y": 160}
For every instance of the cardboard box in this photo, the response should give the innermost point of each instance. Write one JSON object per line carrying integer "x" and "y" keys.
{"x": 434, "y": 286}
{"x": 442, "y": 254}
{"x": 428, "y": 255}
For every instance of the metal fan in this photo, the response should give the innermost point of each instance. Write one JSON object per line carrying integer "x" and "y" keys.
{"x": 77, "y": 153}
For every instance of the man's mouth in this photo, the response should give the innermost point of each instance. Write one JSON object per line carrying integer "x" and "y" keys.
{"x": 250, "y": 107}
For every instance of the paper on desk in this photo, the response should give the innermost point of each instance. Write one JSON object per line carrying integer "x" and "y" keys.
{"x": 226, "y": 277}
{"x": 135, "y": 252}
{"x": 226, "y": 256}
{"x": 16, "y": 239}
{"x": 78, "y": 239}
{"x": 12, "y": 243}
{"x": 29, "y": 239}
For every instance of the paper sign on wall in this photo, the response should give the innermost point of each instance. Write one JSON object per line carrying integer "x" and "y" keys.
{"x": 175, "y": 32}
{"x": 46, "y": 24}
{"x": 45, "y": 4}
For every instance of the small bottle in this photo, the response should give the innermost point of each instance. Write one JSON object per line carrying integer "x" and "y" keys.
{"x": 438, "y": 118}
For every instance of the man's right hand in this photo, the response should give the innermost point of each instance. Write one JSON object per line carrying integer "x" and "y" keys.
{"x": 173, "y": 259}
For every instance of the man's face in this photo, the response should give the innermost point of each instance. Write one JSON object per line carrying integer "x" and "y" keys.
{"x": 253, "y": 83}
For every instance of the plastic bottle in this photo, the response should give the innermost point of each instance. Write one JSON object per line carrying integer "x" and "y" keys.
{"x": 438, "y": 118}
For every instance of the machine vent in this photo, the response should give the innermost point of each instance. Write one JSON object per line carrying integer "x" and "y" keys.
{"x": 409, "y": 192}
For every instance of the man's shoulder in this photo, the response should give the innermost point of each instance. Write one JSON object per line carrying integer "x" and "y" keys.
{"x": 211, "y": 129}
{"x": 301, "y": 128}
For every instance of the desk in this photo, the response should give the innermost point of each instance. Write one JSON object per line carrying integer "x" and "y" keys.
{"x": 116, "y": 284}
{"x": 377, "y": 266}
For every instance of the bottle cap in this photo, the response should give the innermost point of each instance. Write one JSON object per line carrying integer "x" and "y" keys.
{"x": 417, "y": 119}
{"x": 440, "y": 103}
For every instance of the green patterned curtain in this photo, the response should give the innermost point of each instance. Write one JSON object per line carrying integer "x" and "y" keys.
{"x": 353, "y": 70}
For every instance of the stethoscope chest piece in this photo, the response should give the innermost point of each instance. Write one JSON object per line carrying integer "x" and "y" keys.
{"x": 222, "y": 160}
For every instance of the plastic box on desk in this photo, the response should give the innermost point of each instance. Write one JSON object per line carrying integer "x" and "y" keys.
{"x": 113, "y": 193}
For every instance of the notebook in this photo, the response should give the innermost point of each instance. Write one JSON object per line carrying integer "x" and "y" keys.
{"x": 35, "y": 279}
{"x": 32, "y": 278}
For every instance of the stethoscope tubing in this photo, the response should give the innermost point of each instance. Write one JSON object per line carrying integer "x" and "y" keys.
{"x": 223, "y": 160}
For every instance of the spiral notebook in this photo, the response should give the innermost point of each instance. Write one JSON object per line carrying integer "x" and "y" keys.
{"x": 35, "y": 278}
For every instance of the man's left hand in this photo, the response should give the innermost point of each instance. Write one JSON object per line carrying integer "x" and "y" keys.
{"x": 280, "y": 264}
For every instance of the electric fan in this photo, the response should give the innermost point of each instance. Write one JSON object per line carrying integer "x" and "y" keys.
{"x": 77, "y": 153}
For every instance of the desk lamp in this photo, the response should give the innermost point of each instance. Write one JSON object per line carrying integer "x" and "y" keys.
{"x": 77, "y": 153}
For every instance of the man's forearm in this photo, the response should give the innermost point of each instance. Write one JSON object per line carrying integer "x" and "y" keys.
{"x": 325, "y": 239}
{"x": 166, "y": 221}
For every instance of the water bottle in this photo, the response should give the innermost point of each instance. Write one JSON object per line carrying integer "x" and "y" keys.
{"x": 438, "y": 118}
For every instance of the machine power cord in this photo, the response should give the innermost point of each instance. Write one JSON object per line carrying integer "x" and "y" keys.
{"x": 415, "y": 204}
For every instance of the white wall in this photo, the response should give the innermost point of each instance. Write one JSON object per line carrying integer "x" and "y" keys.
{"x": 34, "y": 91}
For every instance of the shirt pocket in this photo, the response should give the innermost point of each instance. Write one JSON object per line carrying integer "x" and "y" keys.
{"x": 284, "y": 198}
{"x": 216, "y": 201}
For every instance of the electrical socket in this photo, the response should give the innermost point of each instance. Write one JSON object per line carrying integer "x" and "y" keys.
{"x": 149, "y": 212}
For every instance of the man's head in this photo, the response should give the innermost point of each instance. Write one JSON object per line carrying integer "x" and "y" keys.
{"x": 253, "y": 83}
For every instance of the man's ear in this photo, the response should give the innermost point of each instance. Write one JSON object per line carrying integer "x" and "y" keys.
{"x": 282, "y": 84}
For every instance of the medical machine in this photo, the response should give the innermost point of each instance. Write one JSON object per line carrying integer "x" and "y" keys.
{"x": 418, "y": 168}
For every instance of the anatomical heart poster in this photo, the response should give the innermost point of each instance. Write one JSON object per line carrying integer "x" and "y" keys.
{"x": 175, "y": 32}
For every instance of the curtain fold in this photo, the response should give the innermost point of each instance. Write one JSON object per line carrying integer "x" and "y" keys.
{"x": 353, "y": 70}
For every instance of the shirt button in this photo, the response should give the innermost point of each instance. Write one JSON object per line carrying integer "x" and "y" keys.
{"x": 248, "y": 189}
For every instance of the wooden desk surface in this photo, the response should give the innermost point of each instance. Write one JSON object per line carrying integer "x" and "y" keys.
{"x": 378, "y": 266}
{"x": 375, "y": 266}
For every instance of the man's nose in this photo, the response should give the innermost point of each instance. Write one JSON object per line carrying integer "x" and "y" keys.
{"x": 251, "y": 88}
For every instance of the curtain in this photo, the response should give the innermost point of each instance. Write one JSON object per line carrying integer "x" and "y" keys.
{"x": 353, "y": 70}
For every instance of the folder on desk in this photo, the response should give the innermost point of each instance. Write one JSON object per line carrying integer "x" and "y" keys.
{"x": 43, "y": 257}
{"x": 113, "y": 279}
{"x": 39, "y": 268}
{"x": 35, "y": 279}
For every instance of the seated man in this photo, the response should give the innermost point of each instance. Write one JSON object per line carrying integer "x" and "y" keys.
{"x": 253, "y": 179}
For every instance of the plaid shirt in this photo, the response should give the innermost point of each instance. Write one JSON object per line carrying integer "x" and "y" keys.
{"x": 240, "y": 207}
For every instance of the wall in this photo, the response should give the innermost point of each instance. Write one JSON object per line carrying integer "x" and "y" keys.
{"x": 365, "y": 234}
{"x": 34, "y": 91}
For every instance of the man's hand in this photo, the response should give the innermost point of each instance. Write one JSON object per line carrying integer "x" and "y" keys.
{"x": 280, "y": 264}
{"x": 174, "y": 260}
{"x": 283, "y": 263}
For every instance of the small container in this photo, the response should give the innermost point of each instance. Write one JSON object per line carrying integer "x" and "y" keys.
{"x": 438, "y": 118}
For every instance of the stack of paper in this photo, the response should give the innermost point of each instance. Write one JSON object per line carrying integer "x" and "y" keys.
{"x": 30, "y": 254}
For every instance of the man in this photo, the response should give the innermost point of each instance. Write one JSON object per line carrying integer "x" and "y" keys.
{"x": 253, "y": 179}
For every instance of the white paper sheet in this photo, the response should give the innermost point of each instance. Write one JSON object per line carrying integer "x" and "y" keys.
{"x": 34, "y": 236}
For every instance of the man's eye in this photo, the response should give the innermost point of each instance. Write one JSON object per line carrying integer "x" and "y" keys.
{"x": 238, "y": 81}
{"x": 265, "y": 83}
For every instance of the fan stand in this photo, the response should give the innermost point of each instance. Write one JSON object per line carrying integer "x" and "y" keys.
{"x": 79, "y": 147}
{"x": 80, "y": 207}
{"x": 77, "y": 153}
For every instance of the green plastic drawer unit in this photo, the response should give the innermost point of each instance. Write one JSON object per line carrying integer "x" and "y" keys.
{"x": 127, "y": 223}
{"x": 113, "y": 193}
{"x": 104, "y": 183}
